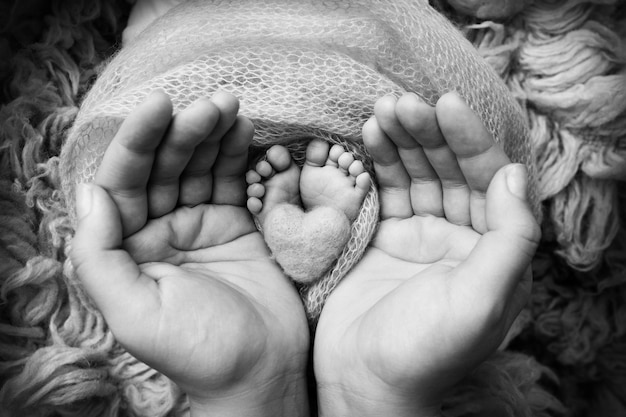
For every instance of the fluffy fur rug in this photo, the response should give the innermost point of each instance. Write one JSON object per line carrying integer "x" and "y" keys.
{"x": 565, "y": 62}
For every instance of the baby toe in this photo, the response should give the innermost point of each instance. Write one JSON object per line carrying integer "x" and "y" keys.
{"x": 363, "y": 182}
{"x": 356, "y": 168}
{"x": 317, "y": 153}
{"x": 254, "y": 205}
{"x": 344, "y": 161}
{"x": 278, "y": 157}
{"x": 256, "y": 190}
{"x": 333, "y": 155}
{"x": 264, "y": 169}
{"x": 252, "y": 177}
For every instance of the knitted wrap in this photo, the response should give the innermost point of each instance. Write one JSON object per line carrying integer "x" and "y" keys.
{"x": 302, "y": 69}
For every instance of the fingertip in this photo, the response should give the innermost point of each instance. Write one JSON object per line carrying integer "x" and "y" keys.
{"x": 99, "y": 222}
{"x": 143, "y": 130}
{"x": 419, "y": 120}
{"x": 160, "y": 101}
{"x": 204, "y": 111}
{"x": 247, "y": 127}
{"x": 509, "y": 180}
{"x": 227, "y": 102}
{"x": 452, "y": 100}
{"x": 457, "y": 120}
{"x": 159, "y": 93}
{"x": 385, "y": 106}
{"x": 376, "y": 140}
{"x": 517, "y": 180}
{"x": 236, "y": 141}
{"x": 507, "y": 206}
{"x": 369, "y": 130}
{"x": 410, "y": 103}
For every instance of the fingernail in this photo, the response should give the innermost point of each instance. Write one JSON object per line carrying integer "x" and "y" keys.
{"x": 84, "y": 197}
{"x": 454, "y": 93}
{"x": 414, "y": 94}
{"x": 391, "y": 95}
{"x": 517, "y": 180}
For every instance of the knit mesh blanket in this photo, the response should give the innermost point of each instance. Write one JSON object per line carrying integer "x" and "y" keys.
{"x": 302, "y": 69}
{"x": 563, "y": 61}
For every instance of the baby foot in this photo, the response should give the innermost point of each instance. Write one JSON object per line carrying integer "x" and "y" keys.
{"x": 272, "y": 182}
{"x": 333, "y": 178}
{"x": 306, "y": 216}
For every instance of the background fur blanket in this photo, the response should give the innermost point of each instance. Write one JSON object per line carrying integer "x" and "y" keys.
{"x": 564, "y": 60}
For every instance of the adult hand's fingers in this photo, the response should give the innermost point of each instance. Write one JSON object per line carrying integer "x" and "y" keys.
{"x": 128, "y": 160}
{"x": 478, "y": 155}
{"x": 393, "y": 180}
{"x": 196, "y": 181}
{"x": 187, "y": 129}
{"x": 420, "y": 120}
{"x": 229, "y": 171}
{"x": 425, "y": 188}
{"x": 198, "y": 234}
{"x": 492, "y": 273}
{"x": 109, "y": 275}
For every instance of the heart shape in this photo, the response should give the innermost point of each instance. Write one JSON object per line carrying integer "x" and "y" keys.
{"x": 306, "y": 244}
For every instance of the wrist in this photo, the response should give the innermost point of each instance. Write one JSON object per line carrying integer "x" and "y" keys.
{"x": 341, "y": 401}
{"x": 282, "y": 397}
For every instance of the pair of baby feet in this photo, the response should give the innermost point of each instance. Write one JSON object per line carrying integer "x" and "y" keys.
{"x": 306, "y": 214}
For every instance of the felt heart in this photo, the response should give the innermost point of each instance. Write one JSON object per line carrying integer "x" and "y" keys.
{"x": 306, "y": 244}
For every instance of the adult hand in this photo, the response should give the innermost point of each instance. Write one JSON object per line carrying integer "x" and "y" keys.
{"x": 170, "y": 255}
{"x": 447, "y": 272}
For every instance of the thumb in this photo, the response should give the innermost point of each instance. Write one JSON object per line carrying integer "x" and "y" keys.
{"x": 108, "y": 273}
{"x": 502, "y": 256}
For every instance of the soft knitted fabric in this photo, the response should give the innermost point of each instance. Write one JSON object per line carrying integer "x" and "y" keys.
{"x": 302, "y": 69}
